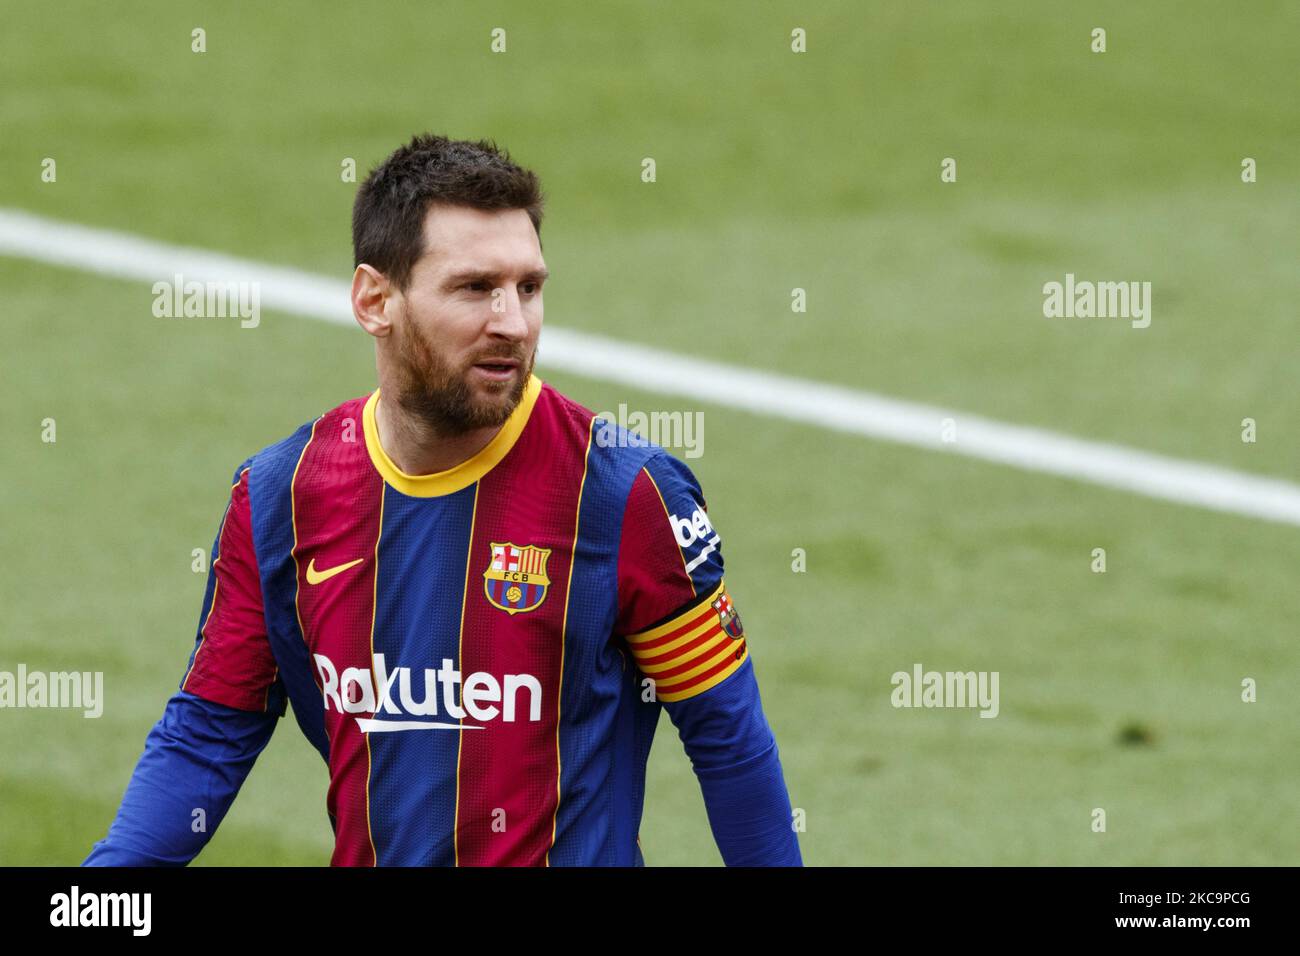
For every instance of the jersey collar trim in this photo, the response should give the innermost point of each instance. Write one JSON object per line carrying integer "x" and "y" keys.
{"x": 462, "y": 475}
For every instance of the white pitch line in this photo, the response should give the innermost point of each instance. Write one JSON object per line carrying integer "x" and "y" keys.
{"x": 807, "y": 402}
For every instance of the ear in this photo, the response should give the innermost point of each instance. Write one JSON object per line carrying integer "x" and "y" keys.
{"x": 370, "y": 291}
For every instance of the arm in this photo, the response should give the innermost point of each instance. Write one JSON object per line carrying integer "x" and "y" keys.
{"x": 749, "y": 811}
{"x": 746, "y": 798}
{"x": 195, "y": 760}
{"x": 197, "y": 756}
{"x": 697, "y": 654}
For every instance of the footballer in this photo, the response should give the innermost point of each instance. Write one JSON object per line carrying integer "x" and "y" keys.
{"x": 475, "y": 595}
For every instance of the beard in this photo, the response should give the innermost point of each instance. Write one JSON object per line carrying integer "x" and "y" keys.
{"x": 438, "y": 393}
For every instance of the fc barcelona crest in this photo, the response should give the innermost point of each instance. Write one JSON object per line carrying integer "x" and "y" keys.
{"x": 516, "y": 580}
{"x": 728, "y": 616}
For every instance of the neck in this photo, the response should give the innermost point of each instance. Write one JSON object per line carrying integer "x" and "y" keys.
{"x": 417, "y": 448}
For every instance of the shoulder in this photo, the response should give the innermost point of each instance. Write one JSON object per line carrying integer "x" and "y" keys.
{"x": 612, "y": 440}
{"x": 561, "y": 420}
{"x": 280, "y": 459}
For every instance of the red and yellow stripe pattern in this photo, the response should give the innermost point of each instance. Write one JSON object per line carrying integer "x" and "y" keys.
{"x": 692, "y": 652}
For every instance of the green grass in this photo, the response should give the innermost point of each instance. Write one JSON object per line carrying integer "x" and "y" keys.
{"x": 775, "y": 171}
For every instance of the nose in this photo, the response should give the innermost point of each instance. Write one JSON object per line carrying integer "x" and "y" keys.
{"x": 506, "y": 318}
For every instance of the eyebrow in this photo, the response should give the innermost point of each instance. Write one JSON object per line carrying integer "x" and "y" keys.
{"x": 486, "y": 275}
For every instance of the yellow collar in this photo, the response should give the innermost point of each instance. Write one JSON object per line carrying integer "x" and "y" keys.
{"x": 468, "y": 471}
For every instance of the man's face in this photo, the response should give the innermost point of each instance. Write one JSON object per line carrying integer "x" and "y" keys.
{"x": 466, "y": 333}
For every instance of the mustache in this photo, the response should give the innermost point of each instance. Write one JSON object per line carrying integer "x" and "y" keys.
{"x": 518, "y": 355}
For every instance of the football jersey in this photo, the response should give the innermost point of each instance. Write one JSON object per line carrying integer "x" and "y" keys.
{"x": 480, "y": 655}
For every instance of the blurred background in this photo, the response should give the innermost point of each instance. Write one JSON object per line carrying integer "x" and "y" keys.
{"x": 775, "y": 170}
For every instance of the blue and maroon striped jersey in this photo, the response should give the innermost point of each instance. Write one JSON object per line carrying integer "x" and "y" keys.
{"x": 481, "y": 655}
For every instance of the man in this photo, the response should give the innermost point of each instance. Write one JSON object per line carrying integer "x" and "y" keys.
{"x": 477, "y": 596}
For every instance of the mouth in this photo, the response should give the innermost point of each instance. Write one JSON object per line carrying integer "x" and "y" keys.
{"x": 497, "y": 369}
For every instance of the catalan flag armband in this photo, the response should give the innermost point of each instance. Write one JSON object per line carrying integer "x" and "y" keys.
{"x": 695, "y": 650}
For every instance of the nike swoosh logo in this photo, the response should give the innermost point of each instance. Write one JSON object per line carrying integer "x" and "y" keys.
{"x": 316, "y": 577}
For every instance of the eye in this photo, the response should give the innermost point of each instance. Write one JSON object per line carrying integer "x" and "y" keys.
{"x": 477, "y": 286}
{"x": 534, "y": 287}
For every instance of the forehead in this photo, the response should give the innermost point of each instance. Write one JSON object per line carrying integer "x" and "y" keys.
{"x": 461, "y": 237}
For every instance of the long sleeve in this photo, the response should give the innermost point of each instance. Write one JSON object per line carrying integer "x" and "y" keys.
{"x": 195, "y": 760}
{"x": 685, "y": 634}
{"x": 738, "y": 765}
{"x": 197, "y": 755}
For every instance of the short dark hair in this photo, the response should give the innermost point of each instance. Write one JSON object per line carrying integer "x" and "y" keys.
{"x": 388, "y": 213}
